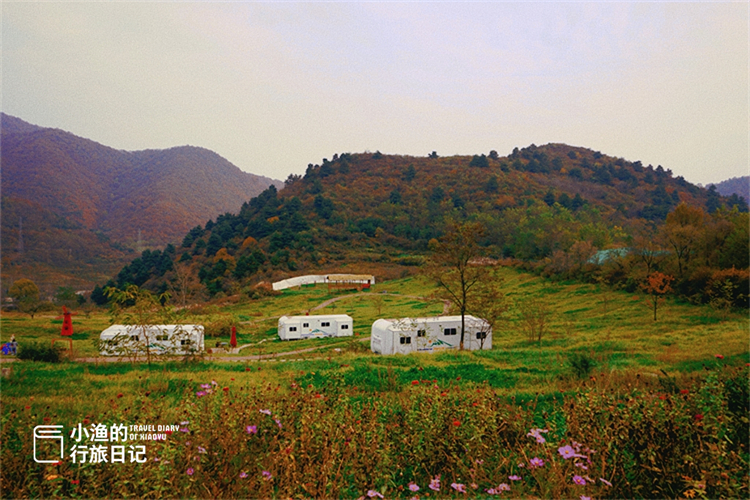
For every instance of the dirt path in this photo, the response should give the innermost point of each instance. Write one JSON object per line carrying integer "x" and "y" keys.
{"x": 446, "y": 303}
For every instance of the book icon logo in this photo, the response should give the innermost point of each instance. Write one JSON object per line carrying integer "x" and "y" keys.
{"x": 48, "y": 444}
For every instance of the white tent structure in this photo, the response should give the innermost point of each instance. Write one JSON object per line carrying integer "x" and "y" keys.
{"x": 156, "y": 339}
{"x": 324, "y": 325}
{"x": 311, "y": 279}
{"x": 439, "y": 333}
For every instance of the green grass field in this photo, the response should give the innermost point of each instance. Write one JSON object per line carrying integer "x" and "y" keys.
{"x": 381, "y": 421}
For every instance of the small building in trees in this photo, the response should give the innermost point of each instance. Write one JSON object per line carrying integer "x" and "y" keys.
{"x": 307, "y": 327}
{"x": 435, "y": 334}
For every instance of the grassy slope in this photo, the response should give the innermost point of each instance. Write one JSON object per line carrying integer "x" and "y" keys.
{"x": 331, "y": 396}
{"x": 620, "y": 339}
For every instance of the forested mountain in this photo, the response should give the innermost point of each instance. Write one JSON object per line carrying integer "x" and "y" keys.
{"x": 552, "y": 206}
{"x": 131, "y": 199}
{"x": 736, "y": 185}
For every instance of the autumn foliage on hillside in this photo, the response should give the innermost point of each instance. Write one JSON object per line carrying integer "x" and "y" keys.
{"x": 159, "y": 193}
{"x": 562, "y": 211}
{"x": 103, "y": 203}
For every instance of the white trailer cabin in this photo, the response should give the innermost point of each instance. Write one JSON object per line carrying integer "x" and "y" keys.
{"x": 120, "y": 340}
{"x": 435, "y": 334}
{"x": 324, "y": 325}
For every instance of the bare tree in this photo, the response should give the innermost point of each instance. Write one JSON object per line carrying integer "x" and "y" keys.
{"x": 490, "y": 305}
{"x": 534, "y": 315}
{"x": 450, "y": 266}
{"x": 682, "y": 231}
{"x": 141, "y": 309}
{"x": 378, "y": 301}
{"x": 183, "y": 283}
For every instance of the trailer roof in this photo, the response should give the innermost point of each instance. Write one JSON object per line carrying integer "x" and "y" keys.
{"x": 318, "y": 316}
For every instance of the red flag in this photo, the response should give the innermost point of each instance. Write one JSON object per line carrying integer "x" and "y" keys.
{"x": 233, "y": 341}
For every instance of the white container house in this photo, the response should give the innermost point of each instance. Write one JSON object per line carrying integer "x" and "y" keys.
{"x": 156, "y": 339}
{"x": 439, "y": 333}
{"x": 324, "y": 325}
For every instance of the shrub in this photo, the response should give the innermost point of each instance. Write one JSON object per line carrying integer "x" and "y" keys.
{"x": 581, "y": 364}
{"x": 221, "y": 327}
{"x": 40, "y": 352}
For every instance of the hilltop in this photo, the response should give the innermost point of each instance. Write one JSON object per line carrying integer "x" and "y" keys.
{"x": 553, "y": 205}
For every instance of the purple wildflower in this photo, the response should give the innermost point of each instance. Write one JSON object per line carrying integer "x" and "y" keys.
{"x": 205, "y": 386}
{"x": 435, "y": 483}
{"x": 186, "y": 422}
{"x": 582, "y": 466}
{"x": 579, "y": 480}
{"x": 200, "y": 394}
{"x": 514, "y": 478}
{"x": 373, "y": 494}
{"x": 536, "y": 462}
{"x": 213, "y": 382}
{"x": 266, "y": 412}
{"x": 184, "y": 429}
{"x": 190, "y": 471}
{"x": 413, "y": 486}
{"x": 492, "y": 491}
{"x": 278, "y": 422}
{"x": 605, "y": 481}
{"x": 458, "y": 487}
{"x": 266, "y": 475}
{"x": 243, "y": 475}
{"x": 567, "y": 452}
{"x": 251, "y": 429}
{"x": 503, "y": 487}
{"x": 536, "y": 433}
{"x": 201, "y": 449}
{"x": 584, "y": 497}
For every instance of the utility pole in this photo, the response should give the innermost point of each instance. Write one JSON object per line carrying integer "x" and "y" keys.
{"x": 20, "y": 236}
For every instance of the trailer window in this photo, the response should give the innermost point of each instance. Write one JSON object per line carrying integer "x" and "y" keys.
{"x": 292, "y": 328}
{"x": 405, "y": 340}
{"x": 449, "y": 331}
{"x": 481, "y": 335}
{"x": 305, "y": 325}
{"x": 344, "y": 327}
{"x": 325, "y": 323}
{"x": 162, "y": 337}
{"x": 421, "y": 333}
{"x": 186, "y": 342}
{"x": 134, "y": 337}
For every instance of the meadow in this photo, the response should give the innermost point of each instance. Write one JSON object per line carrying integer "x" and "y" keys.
{"x": 609, "y": 404}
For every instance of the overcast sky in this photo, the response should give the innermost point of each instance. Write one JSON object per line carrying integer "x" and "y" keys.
{"x": 275, "y": 86}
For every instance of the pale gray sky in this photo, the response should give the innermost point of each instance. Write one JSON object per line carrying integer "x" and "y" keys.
{"x": 275, "y": 86}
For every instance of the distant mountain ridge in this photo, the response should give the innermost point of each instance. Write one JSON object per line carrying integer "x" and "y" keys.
{"x": 129, "y": 199}
{"x": 161, "y": 193}
{"x": 736, "y": 185}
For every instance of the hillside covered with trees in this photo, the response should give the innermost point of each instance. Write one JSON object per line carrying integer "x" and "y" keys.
{"x": 105, "y": 202}
{"x": 564, "y": 211}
